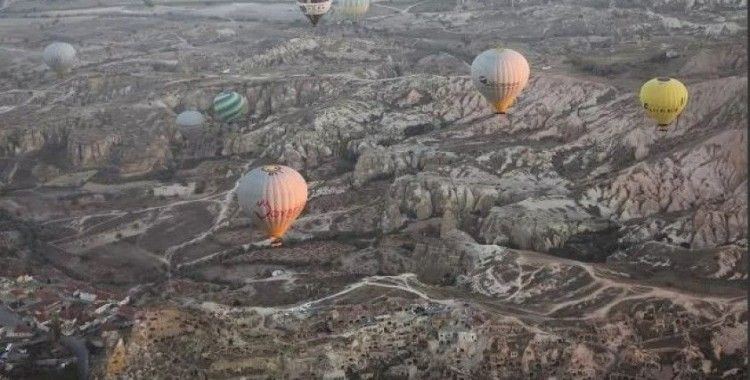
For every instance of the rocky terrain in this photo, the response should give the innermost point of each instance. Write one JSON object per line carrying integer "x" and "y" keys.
{"x": 568, "y": 239}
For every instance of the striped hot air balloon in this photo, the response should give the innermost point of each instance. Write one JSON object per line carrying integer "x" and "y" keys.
{"x": 663, "y": 99}
{"x": 190, "y": 119}
{"x": 60, "y": 57}
{"x": 230, "y": 106}
{"x": 314, "y": 9}
{"x": 354, "y": 9}
{"x": 500, "y": 75}
{"x": 274, "y": 196}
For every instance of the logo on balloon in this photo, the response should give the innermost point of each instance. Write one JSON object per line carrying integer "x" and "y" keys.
{"x": 264, "y": 205}
{"x": 486, "y": 82}
{"x": 267, "y": 212}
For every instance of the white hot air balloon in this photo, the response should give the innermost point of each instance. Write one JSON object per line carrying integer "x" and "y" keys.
{"x": 274, "y": 196}
{"x": 500, "y": 75}
{"x": 60, "y": 57}
{"x": 353, "y": 9}
{"x": 190, "y": 119}
{"x": 314, "y": 9}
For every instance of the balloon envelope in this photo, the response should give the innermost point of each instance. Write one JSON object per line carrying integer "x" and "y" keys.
{"x": 230, "y": 106}
{"x": 274, "y": 196}
{"x": 314, "y": 9}
{"x": 500, "y": 75}
{"x": 355, "y": 9}
{"x": 663, "y": 99}
{"x": 60, "y": 57}
{"x": 188, "y": 119}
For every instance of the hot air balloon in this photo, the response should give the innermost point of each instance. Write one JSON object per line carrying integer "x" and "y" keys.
{"x": 664, "y": 99}
{"x": 190, "y": 119}
{"x": 354, "y": 9}
{"x": 230, "y": 106}
{"x": 500, "y": 75}
{"x": 314, "y": 9}
{"x": 60, "y": 57}
{"x": 273, "y": 196}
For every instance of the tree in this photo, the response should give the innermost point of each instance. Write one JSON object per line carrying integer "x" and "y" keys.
{"x": 54, "y": 327}
{"x": 381, "y": 371}
{"x": 351, "y": 374}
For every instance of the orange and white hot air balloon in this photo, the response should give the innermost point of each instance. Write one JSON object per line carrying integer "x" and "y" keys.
{"x": 500, "y": 75}
{"x": 274, "y": 196}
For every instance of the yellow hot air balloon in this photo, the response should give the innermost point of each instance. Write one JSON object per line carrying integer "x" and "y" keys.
{"x": 664, "y": 99}
{"x": 274, "y": 196}
{"x": 500, "y": 75}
